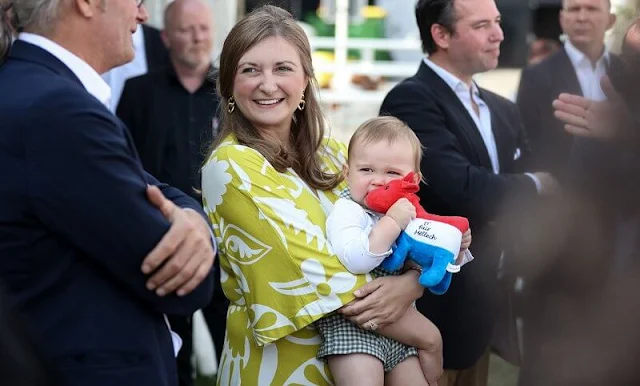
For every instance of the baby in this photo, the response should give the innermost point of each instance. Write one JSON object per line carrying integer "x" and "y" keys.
{"x": 382, "y": 149}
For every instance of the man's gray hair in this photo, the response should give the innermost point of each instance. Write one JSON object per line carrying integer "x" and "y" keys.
{"x": 37, "y": 16}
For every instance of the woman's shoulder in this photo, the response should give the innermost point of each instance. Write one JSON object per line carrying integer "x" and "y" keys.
{"x": 334, "y": 144}
{"x": 231, "y": 149}
{"x": 333, "y": 151}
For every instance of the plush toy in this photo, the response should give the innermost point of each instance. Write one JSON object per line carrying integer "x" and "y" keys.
{"x": 432, "y": 241}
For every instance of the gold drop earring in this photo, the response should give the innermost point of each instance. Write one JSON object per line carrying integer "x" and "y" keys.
{"x": 231, "y": 105}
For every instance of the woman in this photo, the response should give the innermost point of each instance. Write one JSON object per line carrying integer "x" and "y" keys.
{"x": 268, "y": 187}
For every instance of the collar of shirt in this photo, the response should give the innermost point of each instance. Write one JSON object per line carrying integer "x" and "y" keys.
{"x": 209, "y": 80}
{"x": 481, "y": 117}
{"x": 89, "y": 78}
{"x": 346, "y": 193}
{"x": 458, "y": 86}
{"x": 579, "y": 59}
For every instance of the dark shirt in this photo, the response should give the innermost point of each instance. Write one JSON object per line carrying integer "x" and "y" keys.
{"x": 171, "y": 127}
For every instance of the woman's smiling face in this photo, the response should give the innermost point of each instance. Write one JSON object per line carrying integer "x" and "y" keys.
{"x": 269, "y": 84}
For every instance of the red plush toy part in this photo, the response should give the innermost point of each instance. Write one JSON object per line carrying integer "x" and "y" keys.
{"x": 382, "y": 198}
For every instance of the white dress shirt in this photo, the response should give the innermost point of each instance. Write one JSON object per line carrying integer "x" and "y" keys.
{"x": 95, "y": 86}
{"x": 588, "y": 75}
{"x": 83, "y": 71}
{"x": 482, "y": 120}
{"x": 117, "y": 77}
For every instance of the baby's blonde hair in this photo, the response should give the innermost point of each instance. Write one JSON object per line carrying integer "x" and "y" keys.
{"x": 385, "y": 128}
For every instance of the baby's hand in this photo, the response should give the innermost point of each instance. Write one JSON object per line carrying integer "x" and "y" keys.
{"x": 466, "y": 240}
{"x": 402, "y": 212}
{"x": 464, "y": 245}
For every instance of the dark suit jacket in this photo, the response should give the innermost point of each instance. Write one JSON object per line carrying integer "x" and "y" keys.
{"x": 21, "y": 360}
{"x": 460, "y": 181}
{"x": 76, "y": 226}
{"x": 159, "y": 112}
{"x": 157, "y": 53}
{"x": 539, "y": 86}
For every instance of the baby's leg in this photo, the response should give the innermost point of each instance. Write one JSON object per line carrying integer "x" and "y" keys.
{"x": 356, "y": 369}
{"x": 407, "y": 372}
{"x": 414, "y": 329}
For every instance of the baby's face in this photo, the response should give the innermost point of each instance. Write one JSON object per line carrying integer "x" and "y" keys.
{"x": 375, "y": 164}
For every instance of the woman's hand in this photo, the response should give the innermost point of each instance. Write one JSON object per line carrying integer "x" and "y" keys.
{"x": 383, "y": 300}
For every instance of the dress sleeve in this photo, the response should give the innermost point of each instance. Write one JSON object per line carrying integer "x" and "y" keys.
{"x": 273, "y": 252}
{"x": 348, "y": 229}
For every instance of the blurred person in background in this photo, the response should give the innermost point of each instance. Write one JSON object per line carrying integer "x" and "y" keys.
{"x": 541, "y": 49}
{"x": 172, "y": 116}
{"x": 576, "y": 69}
{"x": 581, "y": 307}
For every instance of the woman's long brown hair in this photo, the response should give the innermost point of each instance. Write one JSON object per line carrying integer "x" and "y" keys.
{"x": 307, "y": 127}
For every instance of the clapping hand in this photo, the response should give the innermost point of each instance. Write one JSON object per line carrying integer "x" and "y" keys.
{"x": 593, "y": 119}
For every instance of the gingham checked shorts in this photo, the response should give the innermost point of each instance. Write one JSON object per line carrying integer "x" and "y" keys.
{"x": 340, "y": 336}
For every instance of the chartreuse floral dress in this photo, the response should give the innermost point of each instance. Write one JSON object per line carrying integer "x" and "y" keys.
{"x": 277, "y": 269}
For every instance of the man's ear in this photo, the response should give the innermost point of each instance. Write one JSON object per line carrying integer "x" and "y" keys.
{"x": 163, "y": 36}
{"x": 87, "y": 8}
{"x": 612, "y": 21}
{"x": 441, "y": 36}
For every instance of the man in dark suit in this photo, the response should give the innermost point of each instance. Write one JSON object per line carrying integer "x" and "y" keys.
{"x": 150, "y": 55}
{"x": 575, "y": 69}
{"x": 95, "y": 250}
{"x": 473, "y": 163}
{"x": 171, "y": 114}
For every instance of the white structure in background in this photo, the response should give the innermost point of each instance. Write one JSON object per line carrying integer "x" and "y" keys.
{"x": 346, "y": 105}
{"x": 399, "y": 24}
{"x": 627, "y": 11}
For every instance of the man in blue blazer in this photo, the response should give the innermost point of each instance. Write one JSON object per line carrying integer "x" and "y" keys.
{"x": 94, "y": 250}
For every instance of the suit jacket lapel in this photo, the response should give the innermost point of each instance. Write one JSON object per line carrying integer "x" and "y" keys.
{"x": 148, "y": 45}
{"x": 564, "y": 75}
{"x": 466, "y": 122}
{"x": 500, "y": 128}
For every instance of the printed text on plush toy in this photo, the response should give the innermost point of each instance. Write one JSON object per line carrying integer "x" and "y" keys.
{"x": 423, "y": 230}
